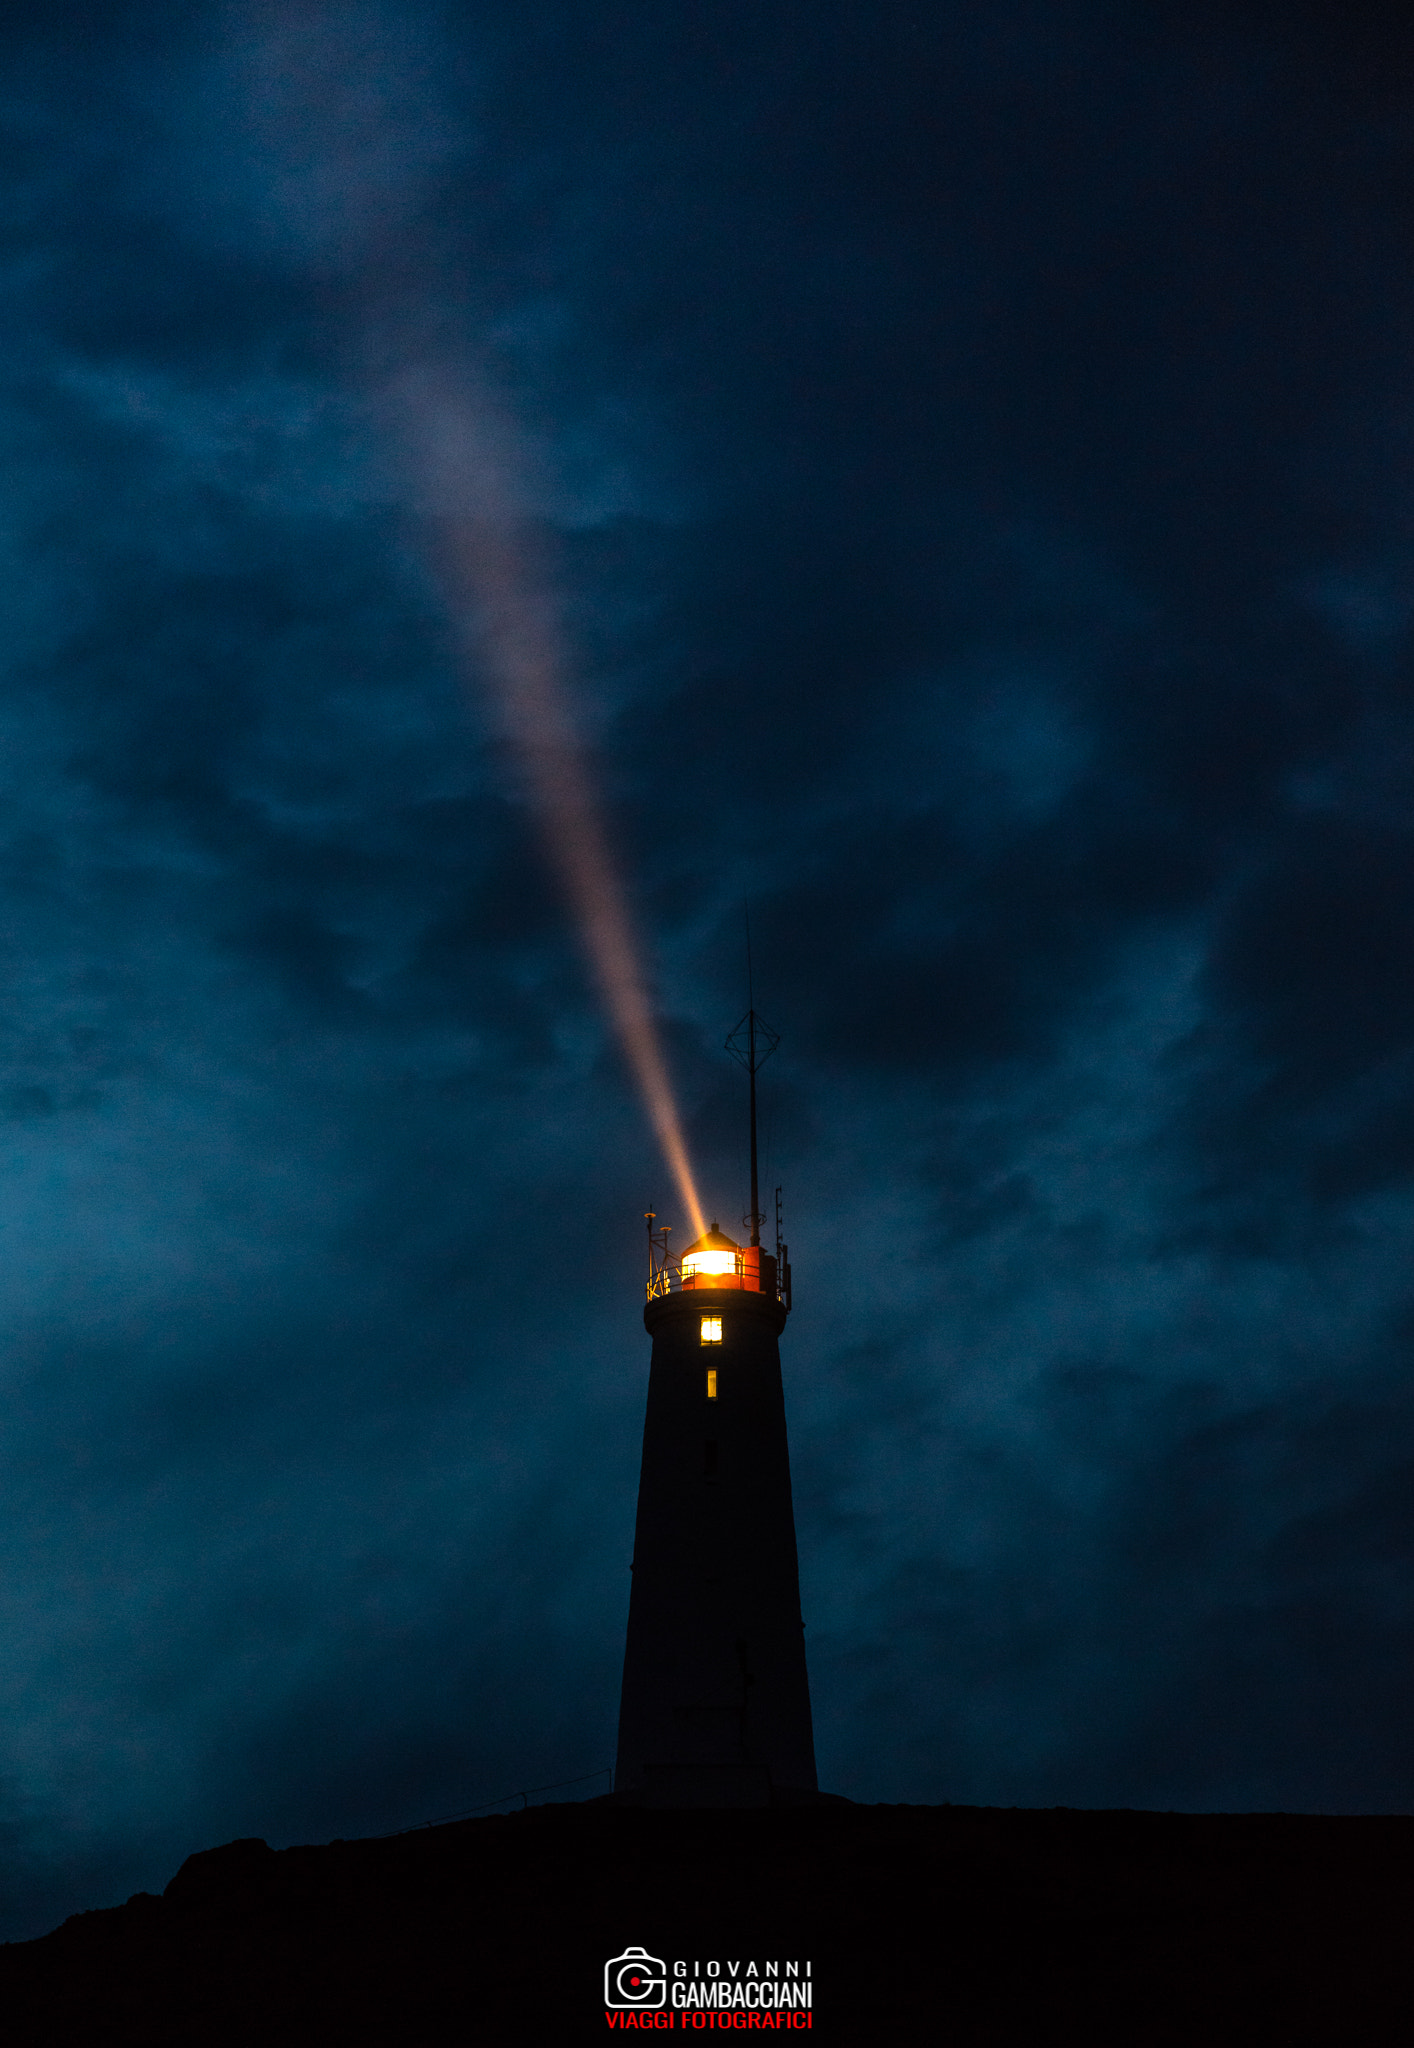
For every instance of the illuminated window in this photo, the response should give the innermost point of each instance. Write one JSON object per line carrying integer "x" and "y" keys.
{"x": 711, "y": 1329}
{"x": 711, "y": 1383}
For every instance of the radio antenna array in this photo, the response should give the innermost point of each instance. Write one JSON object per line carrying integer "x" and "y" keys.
{"x": 751, "y": 1045}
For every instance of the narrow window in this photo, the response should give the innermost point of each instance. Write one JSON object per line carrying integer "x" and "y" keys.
{"x": 711, "y": 1329}
{"x": 711, "y": 1383}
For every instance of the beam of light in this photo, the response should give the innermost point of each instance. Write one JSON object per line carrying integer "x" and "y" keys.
{"x": 524, "y": 662}
{"x": 507, "y": 618}
{"x": 347, "y": 128}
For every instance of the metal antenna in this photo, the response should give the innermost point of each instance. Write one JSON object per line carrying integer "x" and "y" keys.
{"x": 782, "y": 1260}
{"x": 660, "y": 1279}
{"x": 751, "y": 1045}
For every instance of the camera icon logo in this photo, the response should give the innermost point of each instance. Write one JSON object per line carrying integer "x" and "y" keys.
{"x": 635, "y": 1978}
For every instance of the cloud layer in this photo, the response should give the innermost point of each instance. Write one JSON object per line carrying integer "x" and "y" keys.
{"x": 966, "y": 463}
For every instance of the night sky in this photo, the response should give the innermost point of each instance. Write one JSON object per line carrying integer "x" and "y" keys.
{"x": 962, "y": 455}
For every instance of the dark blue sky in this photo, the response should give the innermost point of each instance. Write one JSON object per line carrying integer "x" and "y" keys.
{"x": 967, "y": 451}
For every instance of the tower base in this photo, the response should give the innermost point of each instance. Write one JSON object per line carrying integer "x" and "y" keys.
{"x": 715, "y": 1708}
{"x": 714, "y": 1787}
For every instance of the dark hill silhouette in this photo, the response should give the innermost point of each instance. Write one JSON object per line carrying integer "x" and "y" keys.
{"x": 968, "y": 1925}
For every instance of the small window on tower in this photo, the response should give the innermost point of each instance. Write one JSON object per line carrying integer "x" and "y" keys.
{"x": 711, "y": 1329}
{"x": 711, "y": 1383}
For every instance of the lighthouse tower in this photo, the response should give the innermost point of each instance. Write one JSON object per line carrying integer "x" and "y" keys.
{"x": 715, "y": 1709}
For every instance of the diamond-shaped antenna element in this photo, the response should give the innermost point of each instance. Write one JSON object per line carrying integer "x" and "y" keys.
{"x": 752, "y": 1042}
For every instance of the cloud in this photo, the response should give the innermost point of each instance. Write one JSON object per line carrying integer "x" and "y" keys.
{"x": 969, "y": 465}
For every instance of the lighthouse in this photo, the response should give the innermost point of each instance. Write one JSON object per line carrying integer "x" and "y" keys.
{"x": 715, "y": 1708}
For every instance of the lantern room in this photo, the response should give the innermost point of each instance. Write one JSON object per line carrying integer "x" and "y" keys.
{"x": 714, "y": 1260}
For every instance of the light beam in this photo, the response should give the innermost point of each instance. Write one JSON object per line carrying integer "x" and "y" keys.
{"x": 508, "y": 622}
{"x": 346, "y": 128}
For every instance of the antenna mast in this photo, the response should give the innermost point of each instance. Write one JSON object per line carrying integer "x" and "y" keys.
{"x": 751, "y": 1045}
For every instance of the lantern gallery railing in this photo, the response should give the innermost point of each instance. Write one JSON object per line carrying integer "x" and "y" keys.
{"x": 667, "y": 1280}
{"x": 714, "y": 1261}
{"x": 746, "y": 1272}
{"x": 671, "y": 1279}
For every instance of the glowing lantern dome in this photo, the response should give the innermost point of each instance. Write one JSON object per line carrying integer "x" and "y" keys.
{"x": 713, "y": 1257}
{"x": 717, "y": 1261}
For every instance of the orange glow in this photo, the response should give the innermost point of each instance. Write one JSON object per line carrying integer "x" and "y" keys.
{"x": 708, "y": 1262}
